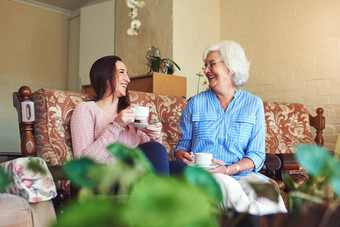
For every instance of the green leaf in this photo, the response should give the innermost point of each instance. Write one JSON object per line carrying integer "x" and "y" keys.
{"x": 97, "y": 211}
{"x": 305, "y": 196}
{"x": 204, "y": 180}
{"x": 290, "y": 183}
{"x": 265, "y": 190}
{"x": 78, "y": 171}
{"x": 4, "y": 179}
{"x": 172, "y": 62}
{"x": 176, "y": 65}
{"x": 84, "y": 194}
{"x": 335, "y": 182}
{"x": 169, "y": 202}
{"x": 130, "y": 156}
{"x": 314, "y": 159}
{"x": 156, "y": 63}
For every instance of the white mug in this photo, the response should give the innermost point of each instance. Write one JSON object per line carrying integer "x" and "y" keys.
{"x": 203, "y": 159}
{"x": 141, "y": 112}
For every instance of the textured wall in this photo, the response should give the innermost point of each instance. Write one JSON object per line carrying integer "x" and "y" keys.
{"x": 294, "y": 49}
{"x": 196, "y": 26}
{"x": 156, "y": 29}
{"x": 97, "y": 32}
{"x": 31, "y": 53}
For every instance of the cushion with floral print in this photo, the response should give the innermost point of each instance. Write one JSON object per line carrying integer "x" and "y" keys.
{"x": 32, "y": 186}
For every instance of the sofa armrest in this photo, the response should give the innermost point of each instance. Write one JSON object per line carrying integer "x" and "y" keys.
{"x": 272, "y": 162}
{"x": 26, "y": 116}
{"x": 289, "y": 162}
{"x": 319, "y": 123}
{"x": 271, "y": 168}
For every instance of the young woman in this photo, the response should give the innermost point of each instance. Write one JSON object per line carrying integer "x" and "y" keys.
{"x": 107, "y": 119}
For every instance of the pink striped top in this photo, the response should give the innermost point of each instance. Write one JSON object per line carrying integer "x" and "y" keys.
{"x": 93, "y": 129}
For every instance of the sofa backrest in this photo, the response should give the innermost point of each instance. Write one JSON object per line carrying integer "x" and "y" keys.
{"x": 164, "y": 108}
{"x": 287, "y": 126}
{"x": 53, "y": 111}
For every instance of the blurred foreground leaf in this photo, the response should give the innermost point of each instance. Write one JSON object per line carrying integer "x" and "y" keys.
{"x": 97, "y": 211}
{"x": 319, "y": 163}
{"x": 290, "y": 183}
{"x": 77, "y": 170}
{"x": 169, "y": 202}
{"x": 4, "y": 179}
{"x": 204, "y": 180}
{"x": 314, "y": 159}
{"x": 130, "y": 156}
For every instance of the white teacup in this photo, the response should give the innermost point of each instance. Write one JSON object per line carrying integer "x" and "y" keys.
{"x": 141, "y": 112}
{"x": 203, "y": 159}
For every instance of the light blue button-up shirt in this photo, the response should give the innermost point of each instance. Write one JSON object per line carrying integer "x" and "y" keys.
{"x": 230, "y": 136}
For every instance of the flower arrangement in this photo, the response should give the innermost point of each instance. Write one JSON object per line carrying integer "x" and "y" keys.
{"x": 135, "y": 24}
{"x": 157, "y": 64}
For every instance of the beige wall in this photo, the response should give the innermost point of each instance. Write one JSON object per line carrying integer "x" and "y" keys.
{"x": 97, "y": 32}
{"x": 33, "y": 52}
{"x": 156, "y": 29}
{"x": 176, "y": 28}
{"x": 73, "y": 82}
{"x": 294, "y": 49}
{"x": 196, "y": 26}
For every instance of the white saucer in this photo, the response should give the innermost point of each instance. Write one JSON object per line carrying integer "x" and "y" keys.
{"x": 211, "y": 166}
{"x": 140, "y": 125}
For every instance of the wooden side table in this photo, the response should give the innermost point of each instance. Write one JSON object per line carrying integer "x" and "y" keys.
{"x": 157, "y": 83}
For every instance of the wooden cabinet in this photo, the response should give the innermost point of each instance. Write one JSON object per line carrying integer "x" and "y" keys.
{"x": 160, "y": 83}
{"x": 157, "y": 83}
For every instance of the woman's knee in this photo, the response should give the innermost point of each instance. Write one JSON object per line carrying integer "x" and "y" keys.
{"x": 152, "y": 147}
{"x": 157, "y": 155}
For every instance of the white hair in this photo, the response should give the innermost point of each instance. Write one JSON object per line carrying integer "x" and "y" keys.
{"x": 234, "y": 58}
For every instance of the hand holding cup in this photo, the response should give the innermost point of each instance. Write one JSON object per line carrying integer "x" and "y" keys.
{"x": 141, "y": 112}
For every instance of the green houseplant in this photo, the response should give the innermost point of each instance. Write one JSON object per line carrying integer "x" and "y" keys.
{"x": 317, "y": 202}
{"x": 158, "y": 64}
{"x": 128, "y": 193}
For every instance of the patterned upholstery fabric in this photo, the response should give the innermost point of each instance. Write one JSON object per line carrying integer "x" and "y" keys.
{"x": 164, "y": 108}
{"x": 53, "y": 110}
{"x": 32, "y": 186}
{"x": 287, "y": 126}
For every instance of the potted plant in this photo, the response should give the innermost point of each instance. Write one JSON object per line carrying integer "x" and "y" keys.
{"x": 157, "y": 64}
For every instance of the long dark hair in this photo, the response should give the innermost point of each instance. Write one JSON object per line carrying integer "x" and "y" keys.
{"x": 103, "y": 70}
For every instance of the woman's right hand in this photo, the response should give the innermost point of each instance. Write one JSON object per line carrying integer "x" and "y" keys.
{"x": 186, "y": 157}
{"x": 125, "y": 117}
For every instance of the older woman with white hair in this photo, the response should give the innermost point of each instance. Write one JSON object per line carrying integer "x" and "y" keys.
{"x": 228, "y": 122}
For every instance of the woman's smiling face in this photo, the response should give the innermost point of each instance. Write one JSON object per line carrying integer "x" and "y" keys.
{"x": 121, "y": 79}
{"x": 217, "y": 72}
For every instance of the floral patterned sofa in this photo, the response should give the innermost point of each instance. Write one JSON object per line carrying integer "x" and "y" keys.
{"x": 47, "y": 112}
{"x": 27, "y": 200}
{"x": 287, "y": 126}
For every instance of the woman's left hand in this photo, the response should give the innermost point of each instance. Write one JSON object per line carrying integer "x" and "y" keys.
{"x": 153, "y": 132}
{"x": 221, "y": 168}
